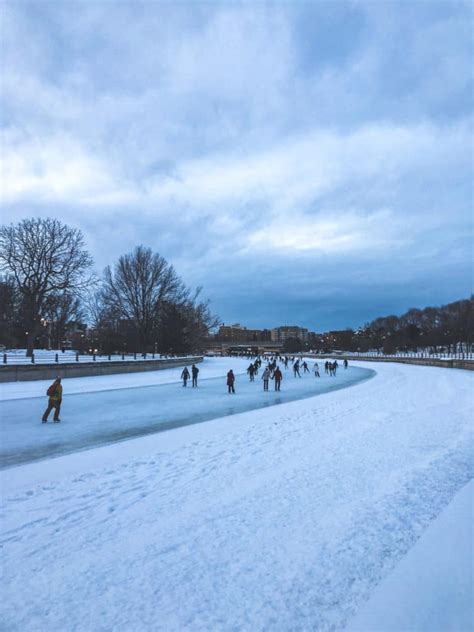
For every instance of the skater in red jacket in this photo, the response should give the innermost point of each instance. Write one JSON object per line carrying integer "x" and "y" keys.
{"x": 230, "y": 382}
{"x": 277, "y": 376}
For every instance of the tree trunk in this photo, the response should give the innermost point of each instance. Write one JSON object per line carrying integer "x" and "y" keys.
{"x": 30, "y": 343}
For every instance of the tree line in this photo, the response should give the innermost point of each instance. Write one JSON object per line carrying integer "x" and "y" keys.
{"x": 48, "y": 292}
{"x": 447, "y": 328}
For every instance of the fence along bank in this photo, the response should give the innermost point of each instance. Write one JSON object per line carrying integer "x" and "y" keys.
{"x": 28, "y": 372}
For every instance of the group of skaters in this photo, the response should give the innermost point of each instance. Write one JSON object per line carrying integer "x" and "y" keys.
{"x": 331, "y": 367}
{"x": 271, "y": 372}
{"x": 185, "y": 375}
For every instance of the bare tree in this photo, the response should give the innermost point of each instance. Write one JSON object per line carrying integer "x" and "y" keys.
{"x": 9, "y": 313}
{"x": 45, "y": 257}
{"x": 108, "y": 330}
{"x": 185, "y": 325}
{"x": 60, "y": 310}
{"x": 201, "y": 321}
{"x": 137, "y": 287}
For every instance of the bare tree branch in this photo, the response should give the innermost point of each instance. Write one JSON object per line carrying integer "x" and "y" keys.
{"x": 45, "y": 257}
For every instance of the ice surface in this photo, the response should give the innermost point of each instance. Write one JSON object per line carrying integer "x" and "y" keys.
{"x": 283, "y": 518}
{"x": 213, "y": 367}
{"x": 89, "y": 419}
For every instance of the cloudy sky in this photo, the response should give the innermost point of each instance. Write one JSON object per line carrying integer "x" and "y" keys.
{"x": 306, "y": 163}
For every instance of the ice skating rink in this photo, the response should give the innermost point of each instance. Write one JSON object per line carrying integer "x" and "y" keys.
{"x": 96, "y": 418}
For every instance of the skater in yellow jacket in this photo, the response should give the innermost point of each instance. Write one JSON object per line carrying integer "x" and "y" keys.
{"x": 55, "y": 394}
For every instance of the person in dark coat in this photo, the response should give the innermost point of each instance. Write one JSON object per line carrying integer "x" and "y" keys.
{"x": 195, "y": 372}
{"x": 277, "y": 376}
{"x": 251, "y": 372}
{"x": 230, "y": 382}
{"x": 185, "y": 376}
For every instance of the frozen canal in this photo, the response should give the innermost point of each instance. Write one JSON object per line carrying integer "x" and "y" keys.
{"x": 96, "y": 418}
{"x": 285, "y": 518}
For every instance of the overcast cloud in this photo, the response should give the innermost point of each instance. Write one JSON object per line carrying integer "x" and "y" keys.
{"x": 306, "y": 163}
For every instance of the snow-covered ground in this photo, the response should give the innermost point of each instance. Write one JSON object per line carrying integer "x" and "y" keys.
{"x": 442, "y": 563}
{"x": 51, "y": 356}
{"x": 461, "y": 353}
{"x": 283, "y": 518}
{"x": 97, "y": 418}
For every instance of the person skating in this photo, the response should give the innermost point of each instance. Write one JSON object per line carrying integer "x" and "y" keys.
{"x": 55, "y": 394}
{"x": 277, "y": 376}
{"x": 305, "y": 367}
{"x": 185, "y": 376}
{"x": 296, "y": 369}
{"x": 230, "y": 382}
{"x": 195, "y": 373}
{"x": 346, "y": 363}
{"x": 326, "y": 366}
{"x": 251, "y": 372}
{"x": 316, "y": 370}
{"x": 265, "y": 378}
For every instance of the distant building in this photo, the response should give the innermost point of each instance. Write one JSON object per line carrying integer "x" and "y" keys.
{"x": 232, "y": 333}
{"x": 237, "y": 333}
{"x": 280, "y": 334}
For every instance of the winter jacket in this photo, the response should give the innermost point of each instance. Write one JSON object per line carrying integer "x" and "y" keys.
{"x": 230, "y": 378}
{"x": 57, "y": 396}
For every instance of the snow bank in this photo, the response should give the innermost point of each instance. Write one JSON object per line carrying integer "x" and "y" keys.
{"x": 48, "y": 356}
{"x": 432, "y": 587}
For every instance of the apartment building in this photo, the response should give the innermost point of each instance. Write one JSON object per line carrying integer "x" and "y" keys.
{"x": 280, "y": 334}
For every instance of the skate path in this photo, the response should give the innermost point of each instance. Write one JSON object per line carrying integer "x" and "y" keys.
{"x": 98, "y": 418}
{"x": 280, "y": 519}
